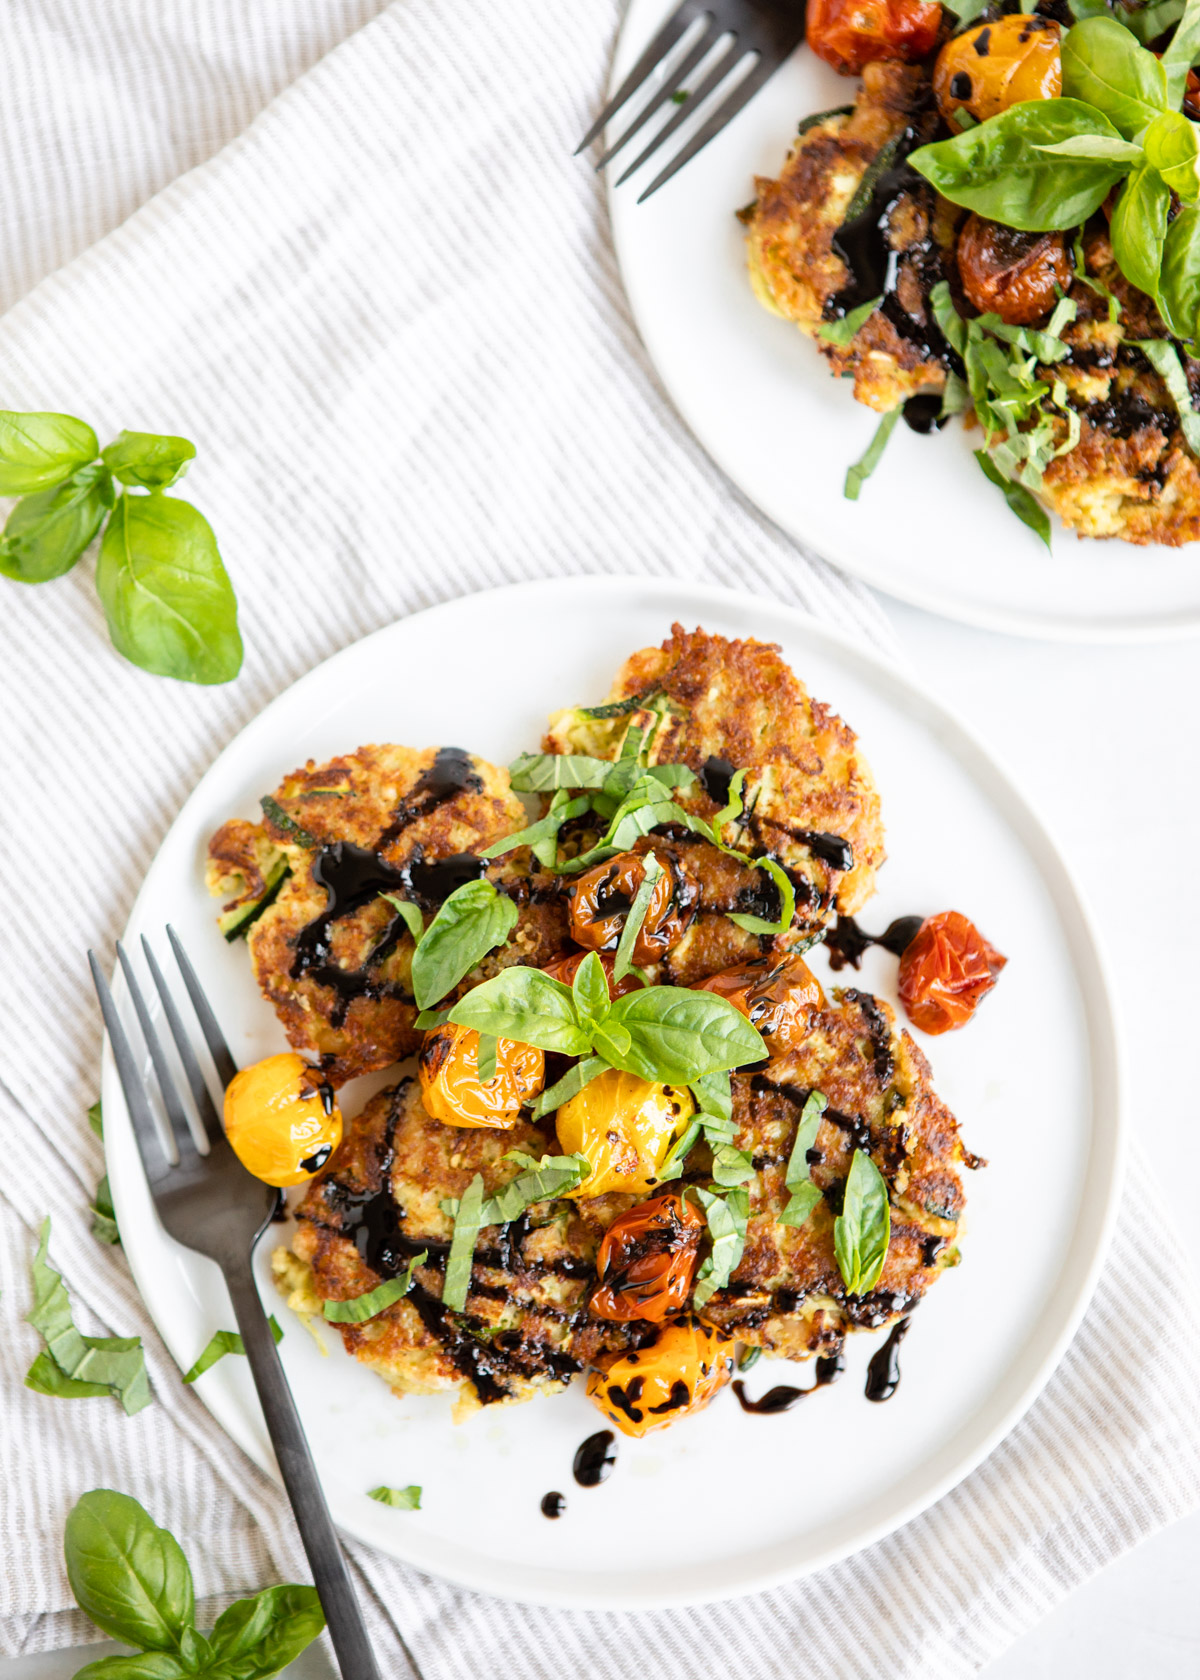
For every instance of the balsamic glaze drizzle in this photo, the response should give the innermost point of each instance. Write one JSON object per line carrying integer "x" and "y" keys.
{"x": 883, "y": 1373}
{"x": 846, "y": 942}
{"x": 783, "y": 1397}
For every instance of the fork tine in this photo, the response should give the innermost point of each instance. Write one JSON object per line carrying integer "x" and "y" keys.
{"x": 675, "y": 27}
{"x": 213, "y": 1036}
{"x": 670, "y": 86}
{"x": 713, "y": 124}
{"x": 176, "y": 1113}
{"x": 201, "y": 1096}
{"x": 732, "y": 55}
{"x": 155, "y": 1158}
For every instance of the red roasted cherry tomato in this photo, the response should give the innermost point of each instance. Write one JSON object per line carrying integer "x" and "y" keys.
{"x": 599, "y": 902}
{"x": 945, "y": 971}
{"x": 647, "y": 1260}
{"x": 777, "y": 998}
{"x": 851, "y": 33}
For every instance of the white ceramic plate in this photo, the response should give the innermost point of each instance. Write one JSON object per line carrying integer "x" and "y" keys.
{"x": 928, "y": 527}
{"x": 1034, "y": 1075}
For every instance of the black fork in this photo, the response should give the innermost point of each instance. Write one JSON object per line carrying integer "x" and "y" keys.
{"x": 210, "y": 1203}
{"x": 768, "y": 29}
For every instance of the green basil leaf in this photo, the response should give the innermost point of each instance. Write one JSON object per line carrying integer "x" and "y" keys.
{"x": 1107, "y": 70}
{"x": 542, "y": 1181}
{"x": 543, "y": 772}
{"x": 1027, "y": 509}
{"x": 679, "y": 1151}
{"x": 678, "y": 1035}
{"x": 841, "y": 332}
{"x": 1147, "y": 23}
{"x": 527, "y": 1006}
{"x": 953, "y": 327}
{"x": 104, "y": 1219}
{"x": 1096, "y": 146}
{"x": 731, "y": 1166}
{"x": 612, "y": 1040}
{"x": 787, "y": 898}
{"x": 127, "y": 1574}
{"x": 672, "y": 775}
{"x": 402, "y": 1499}
{"x": 634, "y": 920}
{"x": 1182, "y": 53}
{"x": 410, "y": 915}
{"x": 148, "y": 460}
{"x": 590, "y": 991}
{"x": 727, "y": 1218}
{"x": 45, "y": 1377}
{"x": 40, "y": 450}
{"x": 644, "y": 820}
{"x": 966, "y": 11}
{"x": 457, "y": 1281}
{"x": 473, "y": 920}
{"x": 1097, "y": 286}
{"x": 115, "y": 1362}
{"x": 360, "y": 1308}
{"x": 222, "y": 1342}
{"x": 804, "y": 1194}
{"x": 147, "y": 1665}
{"x": 258, "y": 1637}
{"x": 47, "y": 532}
{"x": 862, "y": 1231}
{"x": 486, "y": 1057}
{"x": 800, "y": 1205}
{"x": 858, "y": 474}
{"x": 166, "y": 595}
{"x": 733, "y": 808}
{"x": 996, "y": 170}
{"x": 1179, "y": 282}
{"x": 568, "y": 1086}
{"x": 429, "y": 1018}
{"x": 1139, "y": 228}
{"x": 95, "y": 1116}
{"x": 1173, "y": 148}
{"x": 1164, "y": 359}
{"x": 714, "y": 1094}
{"x": 542, "y": 835}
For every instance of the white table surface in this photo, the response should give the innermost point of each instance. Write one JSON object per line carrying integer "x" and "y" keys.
{"x": 1105, "y": 741}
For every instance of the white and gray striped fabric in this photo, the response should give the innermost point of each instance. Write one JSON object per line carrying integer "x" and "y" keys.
{"x": 344, "y": 248}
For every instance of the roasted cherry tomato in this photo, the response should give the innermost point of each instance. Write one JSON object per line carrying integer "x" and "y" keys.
{"x": 449, "y": 1072}
{"x": 777, "y": 998}
{"x": 945, "y": 971}
{"x": 651, "y": 1387}
{"x": 647, "y": 1260}
{"x": 994, "y": 65}
{"x": 1191, "y": 97}
{"x": 625, "y": 1127}
{"x": 1019, "y": 276}
{"x": 566, "y": 968}
{"x": 851, "y": 33}
{"x": 600, "y": 901}
{"x": 282, "y": 1119}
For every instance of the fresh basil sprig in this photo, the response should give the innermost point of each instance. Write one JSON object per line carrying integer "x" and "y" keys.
{"x": 73, "y": 1366}
{"x": 470, "y": 922}
{"x": 862, "y": 1231}
{"x": 166, "y": 595}
{"x": 360, "y": 1308}
{"x": 132, "y": 1579}
{"x": 223, "y": 1342}
{"x": 667, "y": 1034}
{"x": 803, "y": 1193}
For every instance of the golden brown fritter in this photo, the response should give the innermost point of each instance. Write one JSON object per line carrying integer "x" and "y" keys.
{"x": 330, "y": 954}
{"x": 377, "y": 1204}
{"x": 794, "y": 269}
{"x": 787, "y": 1293}
{"x": 809, "y": 792}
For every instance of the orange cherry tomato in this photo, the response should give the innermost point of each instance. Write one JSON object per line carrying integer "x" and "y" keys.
{"x": 1019, "y": 276}
{"x": 777, "y": 998}
{"x": 566, "y": 968}
{"x": 993, "y": 66}
{"x": 851, "y": 33}
{"x": 651, "y": 1387}
{"x": 599, "y": 902}
{"x": 448, "y": 1069}
{"x": 647, "y": 1260}
{"x": 945, "y": 971}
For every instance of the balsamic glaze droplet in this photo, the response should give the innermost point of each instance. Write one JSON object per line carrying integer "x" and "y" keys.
{"x": 553, "y": 1505}
{"x": 846, "y": 942}
{"x": 923, "y": 413}
{"x": 715, "y": 777}
{"x": 883, "y": 1373}
{"x": 593, "y": 1460}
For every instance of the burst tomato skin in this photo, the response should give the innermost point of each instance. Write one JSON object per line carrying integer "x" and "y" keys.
{"x": 599, "y": 901}
{"x": 947, "y": 969}
{"x": 777, "y": 998}
{"x": 851, "y": 33}
{"x": 647, "y": 1260}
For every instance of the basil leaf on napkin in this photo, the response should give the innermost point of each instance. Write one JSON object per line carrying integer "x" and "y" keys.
{"x": 222, "y": 1342}
{"x": 166, "y": 595}
{"x": 127, "y": 1574}
{"x": 108, "y": 1364}
{"x": 47, "y": 532}
{"x": 258, "y": 1637}
{"x": 148, "y": 460}
{"x": 862, "y": 1231}
{"x": 472, "y": 921}
{"x": 40, "y": 450}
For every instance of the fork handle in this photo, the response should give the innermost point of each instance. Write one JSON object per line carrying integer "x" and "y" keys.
{"x": 330, "y": 1575}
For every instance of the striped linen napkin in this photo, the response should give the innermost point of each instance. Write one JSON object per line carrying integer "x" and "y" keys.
{"x": 344, "y": 248}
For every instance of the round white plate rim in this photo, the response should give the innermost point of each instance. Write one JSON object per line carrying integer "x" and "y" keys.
{"x": 1153, "y": 627}
{"x": 143, "y": 1244}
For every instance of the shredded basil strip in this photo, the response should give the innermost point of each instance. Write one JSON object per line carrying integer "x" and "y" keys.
{"x": 1026, "y": 507}
{"x": 541, "y": 837}
{"x": 862, "y": 1231}
{"x": 75, "y": 1366}
{"x": 727, "y": 1217}
{"x": 570, "y": 1085}
{"x": 804, "y": 1194}
{"x": 679, "y": 1151}
{"x": 637, "y": 915}
{"x": 462, "y": 1246}
{"x": 545, "y": 772}
{"x": 713, "y": 1093}
{"x": 223, "y": 1342}
{"x": 276, "y": 814}
{"x": 841, "y": 332}
{"x": 485, "y": 1058}
{"x": 787, "y": 902}
{"x": 362, "y": 1307}
{"x": 401, "y": 1499}
{"x": 1164, "y": 359}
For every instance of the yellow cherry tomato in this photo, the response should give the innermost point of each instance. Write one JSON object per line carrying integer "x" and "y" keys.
{"x": 993, "y": 66}
{"x": 282, "y": 1120}
{"x": 449, "y": 1074}
{"x": 625, "y": 1127}
{"x": 652, "y": 1387}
